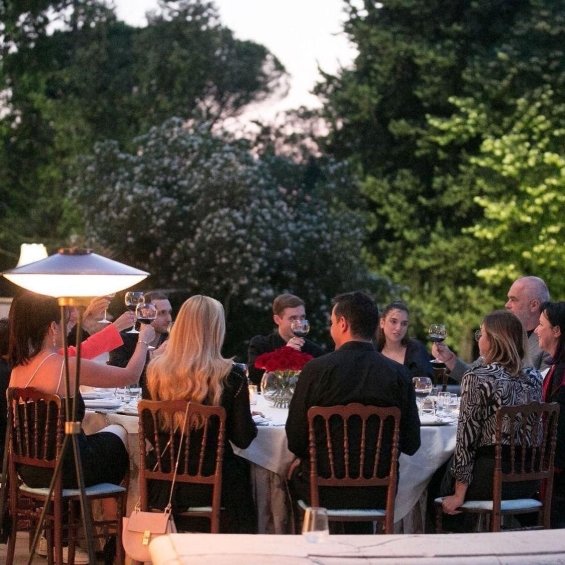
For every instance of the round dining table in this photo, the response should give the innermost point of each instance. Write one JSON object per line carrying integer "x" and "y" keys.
{"x": 271, "y": 459}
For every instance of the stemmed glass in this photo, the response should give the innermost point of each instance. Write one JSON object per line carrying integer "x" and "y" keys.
{"x": 132, "y": 299}
{"x": 422, "y": 386}
{"x": 145, "y": 313}
{"x": 105, "y": 320}
{"x": 300, "y": 328}
{"x": 437, "y": 333}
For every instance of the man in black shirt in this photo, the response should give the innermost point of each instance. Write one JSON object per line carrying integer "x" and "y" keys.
{"x": 286, "y": 309}
{"x": 354, "y": 372}
{"x": 120, "y": 356}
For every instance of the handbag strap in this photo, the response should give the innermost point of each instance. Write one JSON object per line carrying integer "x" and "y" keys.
{"x": 169, "y": 504}
{"x": 178, "y": 456}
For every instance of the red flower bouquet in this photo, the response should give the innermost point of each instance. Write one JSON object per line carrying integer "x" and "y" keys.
{"x": 282, "y": 367}
{"x": 282, "y": 359}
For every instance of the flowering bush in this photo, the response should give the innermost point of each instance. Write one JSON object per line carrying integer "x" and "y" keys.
{"x": 282, "y": 359}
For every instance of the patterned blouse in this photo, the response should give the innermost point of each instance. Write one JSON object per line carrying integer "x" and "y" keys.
{"x": 484, "y": 390}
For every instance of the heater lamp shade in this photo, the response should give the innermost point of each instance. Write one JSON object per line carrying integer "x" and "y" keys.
{"x": 75, "y": 273}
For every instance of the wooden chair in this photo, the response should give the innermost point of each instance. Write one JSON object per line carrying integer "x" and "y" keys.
{"x": 36, "y": 428}
{"x": 201, "y": 452}
{"x": 360, "y": 450}
{"x": 533, "y": 425}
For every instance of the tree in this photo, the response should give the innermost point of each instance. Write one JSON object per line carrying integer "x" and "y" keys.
{"x": 521, "y": 187}
{"x": 200, "y": 212}
{"x": 397, "y": 116}
{"x": 95, "y": 78}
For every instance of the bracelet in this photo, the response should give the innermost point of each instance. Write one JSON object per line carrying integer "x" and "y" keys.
{"x": 144, "y": 342}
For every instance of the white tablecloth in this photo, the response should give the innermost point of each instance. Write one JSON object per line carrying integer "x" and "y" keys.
{"x": 531, "y": 548}
{"x": 270, "y": 451}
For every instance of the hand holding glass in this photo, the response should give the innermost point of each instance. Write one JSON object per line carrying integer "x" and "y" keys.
{"x": 132, "y": 299}
{"x": 437, "y": 333}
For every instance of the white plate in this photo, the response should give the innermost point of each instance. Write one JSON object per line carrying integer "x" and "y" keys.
{"x": 426, "y": 420}
{"x": 103, "y": 403}
{"x": 97, "y": 394}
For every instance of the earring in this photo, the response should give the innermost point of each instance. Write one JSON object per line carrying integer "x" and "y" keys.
{"x": 54, "y": 342}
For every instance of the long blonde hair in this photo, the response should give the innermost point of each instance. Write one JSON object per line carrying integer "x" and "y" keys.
{"x": 192, "y": 366}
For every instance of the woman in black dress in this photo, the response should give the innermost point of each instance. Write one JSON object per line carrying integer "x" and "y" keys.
{"x": 393, "y": 341}
{"x": 192, "y": 368}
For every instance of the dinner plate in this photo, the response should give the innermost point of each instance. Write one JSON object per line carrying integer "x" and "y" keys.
{"x": 433, "y": 421}
{"x": 97, "y": 394}
{"x": 103, "y": 403}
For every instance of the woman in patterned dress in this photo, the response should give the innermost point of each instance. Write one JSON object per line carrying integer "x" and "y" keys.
{"x": 504, "y": 379}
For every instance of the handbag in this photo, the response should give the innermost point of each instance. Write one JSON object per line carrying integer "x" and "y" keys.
{"x": 142, "y": 527}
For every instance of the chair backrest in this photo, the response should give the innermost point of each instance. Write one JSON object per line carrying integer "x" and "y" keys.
{"x": 36, "y": 426}
{"x": 201, "y": 451}
{"x": 353, "y": 446}
{"x": 525, "y": 448}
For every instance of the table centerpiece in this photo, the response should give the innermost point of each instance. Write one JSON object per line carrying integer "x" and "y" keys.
{"x": 282, "y": 369}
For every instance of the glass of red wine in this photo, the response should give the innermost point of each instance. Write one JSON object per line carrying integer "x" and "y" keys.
{"x": 132, "y": 299}
{"x": 300, "y": 328}
{"x": 437, "y": 333}
{"x": 145, "y": 313}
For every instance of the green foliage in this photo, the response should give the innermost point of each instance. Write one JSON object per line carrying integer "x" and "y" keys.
{"x": 430, "y": 115}
{"x": 93, "y": 78}
{"x": 521, "y": 186}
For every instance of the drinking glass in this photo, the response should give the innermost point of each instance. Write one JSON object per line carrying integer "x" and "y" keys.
{"x": 443, "y": 403}
{"x": 132, "y": 299}
{"x": 104, "y": 319}
{"x": 422, "y": 386}
{"x": 315, "y": 526}
{"x": 300, "y": 328}
{"x": 437, "y": 333}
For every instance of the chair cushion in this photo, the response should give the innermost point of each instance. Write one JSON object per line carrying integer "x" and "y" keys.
{"x": 93, "y": 491}
{"x": 505, "y": 505}
{"x": 354, "y": 512}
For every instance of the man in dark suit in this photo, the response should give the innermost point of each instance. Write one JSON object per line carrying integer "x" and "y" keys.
{"x": 120, "y": 356}
{"x": 286, "y": 309}
{"x": 354, "y": 372}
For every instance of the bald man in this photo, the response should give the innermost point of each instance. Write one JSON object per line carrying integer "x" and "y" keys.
{"x": 525, "y": 297}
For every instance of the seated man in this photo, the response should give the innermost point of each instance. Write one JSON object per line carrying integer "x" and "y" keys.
{"x": 120, "y": 357}
{"x": 525, "y": 297}
{"x": 286, "y": 309}
{"x": 354, "y": 372}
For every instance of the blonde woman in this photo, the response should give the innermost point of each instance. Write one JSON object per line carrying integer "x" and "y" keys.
{"x": 503, "y": 380}
{"x": 192, "y": 368}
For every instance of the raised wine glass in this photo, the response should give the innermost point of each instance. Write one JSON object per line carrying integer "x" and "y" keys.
{"x": 145, "y": 313}
{"x": 132, "y": 299}
{"x": 437, "y": 333}
{"x": 104, "y": 319}
{"x": 300, "y": 328}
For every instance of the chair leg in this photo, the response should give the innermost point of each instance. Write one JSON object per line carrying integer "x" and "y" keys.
{"x": 12, "y": 539}
{"x": 439, "y": 518}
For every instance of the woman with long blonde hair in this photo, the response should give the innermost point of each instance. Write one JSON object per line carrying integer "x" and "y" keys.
{"x": 192, "y": 368}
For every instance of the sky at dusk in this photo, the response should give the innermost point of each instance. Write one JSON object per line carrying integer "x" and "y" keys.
{"x": 301, "y": 33}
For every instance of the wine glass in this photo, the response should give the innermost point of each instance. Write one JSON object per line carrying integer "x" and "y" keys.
{"x": 132, "y": 299}
{"x": 422, "y": 386}
{"x": 145, "y": 313}
{"x": 437, "y": 333}
{"x": 104, "y": 319}
{"x": 300, "y": 328}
